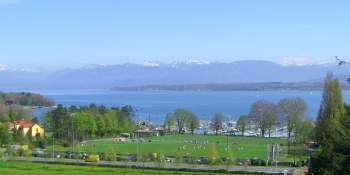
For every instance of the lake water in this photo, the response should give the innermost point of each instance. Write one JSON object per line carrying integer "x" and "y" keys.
{"x": 154, "y": 105}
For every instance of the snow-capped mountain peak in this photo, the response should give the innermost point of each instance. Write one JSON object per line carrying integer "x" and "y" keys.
{"x": 151, "y": 63}
{"x": 92, "y": 66}
{"x": 3, "y": 67}
{"x": 301, "y": 61}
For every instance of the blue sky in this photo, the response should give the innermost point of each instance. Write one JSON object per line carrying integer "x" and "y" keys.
{"x": 65, "y": 33}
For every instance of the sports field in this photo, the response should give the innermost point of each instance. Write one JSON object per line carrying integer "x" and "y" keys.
{"x": 243, "y": 147}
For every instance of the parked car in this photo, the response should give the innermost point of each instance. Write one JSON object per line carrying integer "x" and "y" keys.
{"x": 69, "y": 154}
{"x": 37, "y": 153}
{"x": 202, "y": 159}
{"x": 55, "y": 154}
{"x": 93, "y": 158}
{"x": 84, "y": 155}
{"x": 248, "y": 161}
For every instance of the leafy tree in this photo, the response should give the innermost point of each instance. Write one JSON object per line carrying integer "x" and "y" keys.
{"x": 259, "y": 111}
{"x": 5, "y": 118}
{"x": 332, "y": 131}
{"x": 144, "y": 158}
{"x": 5, "y": 136}
{"x": 178, "y": 159}
{"x": 180, "y": 116}
{"x": 110, "y": 156}
{"x": 243, "y": 123}
{"x": 217, "y": 121}
{"x": 169, "y": 121}
{"x": 160, "y": 160}
{"x": 77, "y": 154}
{"x": 192, "y": 122}
{"x": 212, "y": 156}
{"x": 43, "y": 143}
{"x": 290, "y": 108}
{"x": 270, "y": 123}
{"x": 101, "y": 125}
{"x": 229, "y": 159}
{"x": 35, "y": 120}
{"x": 192, "y": 160}
{"x": 128, "y": 112}
{"x": 125, "y": 159}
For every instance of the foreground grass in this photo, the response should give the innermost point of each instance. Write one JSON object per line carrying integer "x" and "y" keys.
{"x": 38, "y": 168}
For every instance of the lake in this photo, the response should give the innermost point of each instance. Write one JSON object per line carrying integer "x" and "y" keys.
{"x": 154, "y": 105}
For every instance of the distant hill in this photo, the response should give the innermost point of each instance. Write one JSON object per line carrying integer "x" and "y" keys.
{"x": 177, "y": 73}
{"x": 274, "y": 86}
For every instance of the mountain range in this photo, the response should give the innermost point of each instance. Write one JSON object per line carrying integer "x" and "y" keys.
{"x": 156, "y": 72}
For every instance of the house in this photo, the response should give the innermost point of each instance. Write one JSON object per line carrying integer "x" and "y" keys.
{"x": 11, "y": 102}
{"x": 29, "y": 129}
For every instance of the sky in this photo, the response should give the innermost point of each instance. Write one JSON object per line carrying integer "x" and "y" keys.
{"x": 58, "y": 34}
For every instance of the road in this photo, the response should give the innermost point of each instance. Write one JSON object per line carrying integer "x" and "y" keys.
{"x": 167, "y": 165}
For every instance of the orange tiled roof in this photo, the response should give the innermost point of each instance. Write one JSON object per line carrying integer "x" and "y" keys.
{"x": 11, "y": 125}
{"x": 26, "y": 123}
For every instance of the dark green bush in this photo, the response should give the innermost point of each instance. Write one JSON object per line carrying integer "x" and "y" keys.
{"x": 43, "y": 143}
{"x": 258, "y": 162}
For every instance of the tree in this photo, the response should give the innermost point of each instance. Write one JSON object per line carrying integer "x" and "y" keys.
{"x": 144, "y": 158}
{"x": 43, "y": 143}
{"x": 270, "y": 123}
{"x": 128, "y": 112}
{"x": 5, "y": 137}
{"x": 288, "y": 109}
{"x": 216, "y": 122}
{"x": 180, "y": 116}
{"x": 331, "y": 107}
{"x": 160, "y": 159}
{"x": 192, "y": 122}
{"x": 259, "y": 111}
{"x": 243, "y": 123}
{"x": 110, "y": 156}
{"x": 193, "y": 160}
{"x": 212, "y": 156}
{"x": 178, "y": 159}
{"x": 35, "y": 120}
{"x": 77, "y": 154}
{"x": 169, "y": 121}
{"x": 332, "y": 131}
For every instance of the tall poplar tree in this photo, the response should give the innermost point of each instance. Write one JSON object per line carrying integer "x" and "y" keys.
{"x": 332, "y": 132}
{"x": 331, "y": 108}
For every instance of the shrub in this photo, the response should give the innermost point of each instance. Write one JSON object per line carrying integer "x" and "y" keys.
{"x": 21, "y": 152}
{"x": 258, "y": 162}
{"x": 43, "y": 144}
{"x": 263, "y": 162}
{"x": 66, "y": 144}
{"x": 254, "y": 161}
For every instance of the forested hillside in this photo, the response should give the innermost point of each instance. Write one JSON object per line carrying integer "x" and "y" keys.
{"x": 26, "y": 99}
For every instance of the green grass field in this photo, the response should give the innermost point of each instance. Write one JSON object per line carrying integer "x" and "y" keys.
{"x": 37, "y": 168}
{"x": 247, "y": 147}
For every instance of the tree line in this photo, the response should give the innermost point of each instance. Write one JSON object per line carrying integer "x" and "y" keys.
{"x": 88, "y": 122}
{"x": 26, "y": 99}
{"x": 289, "y": 113}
